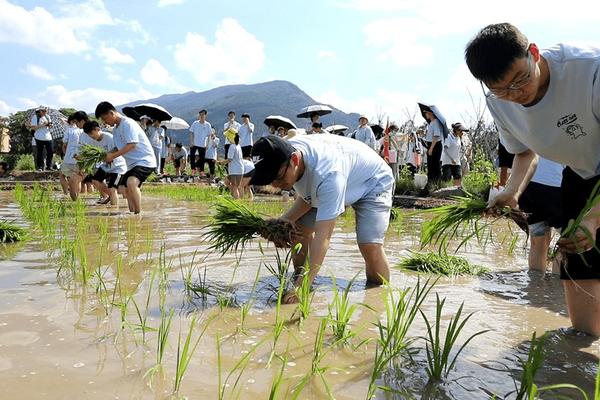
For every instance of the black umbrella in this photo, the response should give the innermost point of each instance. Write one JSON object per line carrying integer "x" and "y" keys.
{"x": 377, "y": 130}
{"x": 153, "y": 111}
{"x": 278, "y": 120}
{"x": 131, "y": 113}
{"x": 433, "y": 109}
{"x": 318, "y": 109}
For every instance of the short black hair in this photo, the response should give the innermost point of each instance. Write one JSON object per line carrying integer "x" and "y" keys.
{"x": 231, "y": 112}
{"x": 236, "y": 139}
{"x": 178, "y": 145}
{"x": 71, "y": 119}
{"x": 491, "y": 53}
{"x": 245, "y": 115}
{"x": 317, "y": 125}
{"x": 203, "y": 111}
{"x": 103, "y": 108}
{"x": 393, "y": 127}
{"x": 90, "y": 126}
{"x": 80, "y": 116}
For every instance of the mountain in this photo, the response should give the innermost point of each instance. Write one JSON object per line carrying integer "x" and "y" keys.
{"x": 259, "y": 100}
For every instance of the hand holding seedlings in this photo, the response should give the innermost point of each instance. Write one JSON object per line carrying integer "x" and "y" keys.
{"x": 583, "y": 239}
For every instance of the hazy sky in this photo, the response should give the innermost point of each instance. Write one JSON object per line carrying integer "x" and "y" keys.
{"x": 364, "y": 56}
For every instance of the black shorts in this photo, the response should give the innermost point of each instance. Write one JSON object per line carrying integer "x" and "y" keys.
{"x": 505, "y": 159}
{"x": 249, "y": 174}
{"x": 142, "y": 173}
{"x": 449, "y": 170}
{"x": 88, "y": 178}
{"x": 542, "y": 203}
{"x": 177, "y": 163}
{"x": 575, "y": 191}
{"x": 246, "y": 151}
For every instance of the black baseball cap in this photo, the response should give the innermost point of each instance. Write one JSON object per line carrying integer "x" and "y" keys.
{"x": 269, "y": 153}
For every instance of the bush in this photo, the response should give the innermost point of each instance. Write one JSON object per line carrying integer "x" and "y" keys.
{"x": 25, "y": 163}
{"x": 482, "y": 176}
{"x": 405, "y": 183}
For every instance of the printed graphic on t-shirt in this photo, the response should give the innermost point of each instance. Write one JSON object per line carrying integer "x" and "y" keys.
{"x": 569, "y": 124}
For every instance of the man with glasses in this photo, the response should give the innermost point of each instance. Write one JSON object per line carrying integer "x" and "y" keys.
{"x": 329, "y": 173}
{"x": 548, "y": 102}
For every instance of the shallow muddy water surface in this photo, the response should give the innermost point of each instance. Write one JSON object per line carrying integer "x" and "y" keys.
{"x": 65, "y": 334}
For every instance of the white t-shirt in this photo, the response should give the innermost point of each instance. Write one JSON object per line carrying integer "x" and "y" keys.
{"x": 71, "y": 139}
{"x": 365, "y": 134}
{"x": 548, "y": 173}
{"x": 410, "y": 156}
{"x": 200, "y": 132}
{"x": 339, "y": 171}
{"x": 106, "y": 142}
{"x": 245, "y": 133}
{"x": 128, "y": 131}
{"x": 235, "y": 125}
{"x": 236, "y": 166}
{"x": 451, "y": 150}
{"x": 248, "y": 165}
{"x": 211, "y": 148}
{"x": 156, "y": 136}
{"x": 434, "y": 129}
{"x": 564, "y": 126}
{"x": 41, "y": 133}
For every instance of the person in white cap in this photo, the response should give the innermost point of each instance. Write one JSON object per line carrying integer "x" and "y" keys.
{"x": 364, "y": 133}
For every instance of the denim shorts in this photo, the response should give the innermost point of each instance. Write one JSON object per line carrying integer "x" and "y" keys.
{"x": 372, "y": 217}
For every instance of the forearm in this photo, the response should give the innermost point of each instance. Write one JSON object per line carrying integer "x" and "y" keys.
{"x": 318, "y": 248}
{"x": 433, "y": 142}
{"x": 523, "y": 168}
{"x": 298, "y": 209}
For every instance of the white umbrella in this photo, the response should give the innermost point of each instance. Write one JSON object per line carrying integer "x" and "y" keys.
{"x": 318, "y": 109}
{"x": 176, "y": 123}
{"x": 278, "y": 120}
{"x": 336, "y": 128}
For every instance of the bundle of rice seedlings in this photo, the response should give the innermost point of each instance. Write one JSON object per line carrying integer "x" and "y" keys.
{"x": 10, "y": 232}
{"x": 89, "y": 156}
{"x": 432, "y": 263}
{"x": 467, "y": 218}
{"x": 234, "y": 225}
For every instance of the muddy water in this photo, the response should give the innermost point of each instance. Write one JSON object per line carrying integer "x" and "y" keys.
{"x": 61, "y": 338}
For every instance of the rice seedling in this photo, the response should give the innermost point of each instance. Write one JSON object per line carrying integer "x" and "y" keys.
{"x": 446, "y": 265}
{"x": 279, "y": 320}
{"x": 401, "y": 308}
{"x": 234, "y": 225}
{"x": 10, "y": 232}
{"x": 185, "y": 353}
{"x": 304, "y": 293}
{"x": 89, "y": 156}
{"x": 277, "y": 380}
{"x": 143, "y": 316}
{"x": 438, "y": 348}
{"x": 340, "y": 312}
{"x": 236, "y": 372}
{"x": 162, "y": 342}
{"x": 316, "y": 369}
{"x": 530, "y": 366}
{"x": 247, "y": 306}
{"x": 534, "y": 391}
{"x": 469, "y": 217}
{"x": 204, "y": 194}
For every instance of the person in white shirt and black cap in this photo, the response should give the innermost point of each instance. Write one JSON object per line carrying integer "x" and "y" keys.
{"x": 329, "y": 173}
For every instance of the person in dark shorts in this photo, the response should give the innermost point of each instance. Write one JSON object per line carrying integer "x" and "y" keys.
{"x": 546, "y": 102}
{"x": 542, "y": 202}
{"x": 133, "y": 144}
{"x": 505, "y": 161}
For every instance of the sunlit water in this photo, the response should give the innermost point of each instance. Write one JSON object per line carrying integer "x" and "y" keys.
{"x": 57, "y": 341}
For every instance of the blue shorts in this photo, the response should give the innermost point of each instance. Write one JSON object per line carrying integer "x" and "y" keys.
{"x": 372, "y": 217}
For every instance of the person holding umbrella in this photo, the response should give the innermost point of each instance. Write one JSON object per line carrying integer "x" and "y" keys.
{"x": 133, "y": 144}
{"x": 156, "y": 135}
{"x": 41, "y": 123}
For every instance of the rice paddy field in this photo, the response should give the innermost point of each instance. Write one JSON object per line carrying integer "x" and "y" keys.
{"x": 100, "y": 304}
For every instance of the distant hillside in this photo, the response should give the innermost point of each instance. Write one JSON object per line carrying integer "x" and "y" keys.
{"x": 258, "y": 100}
